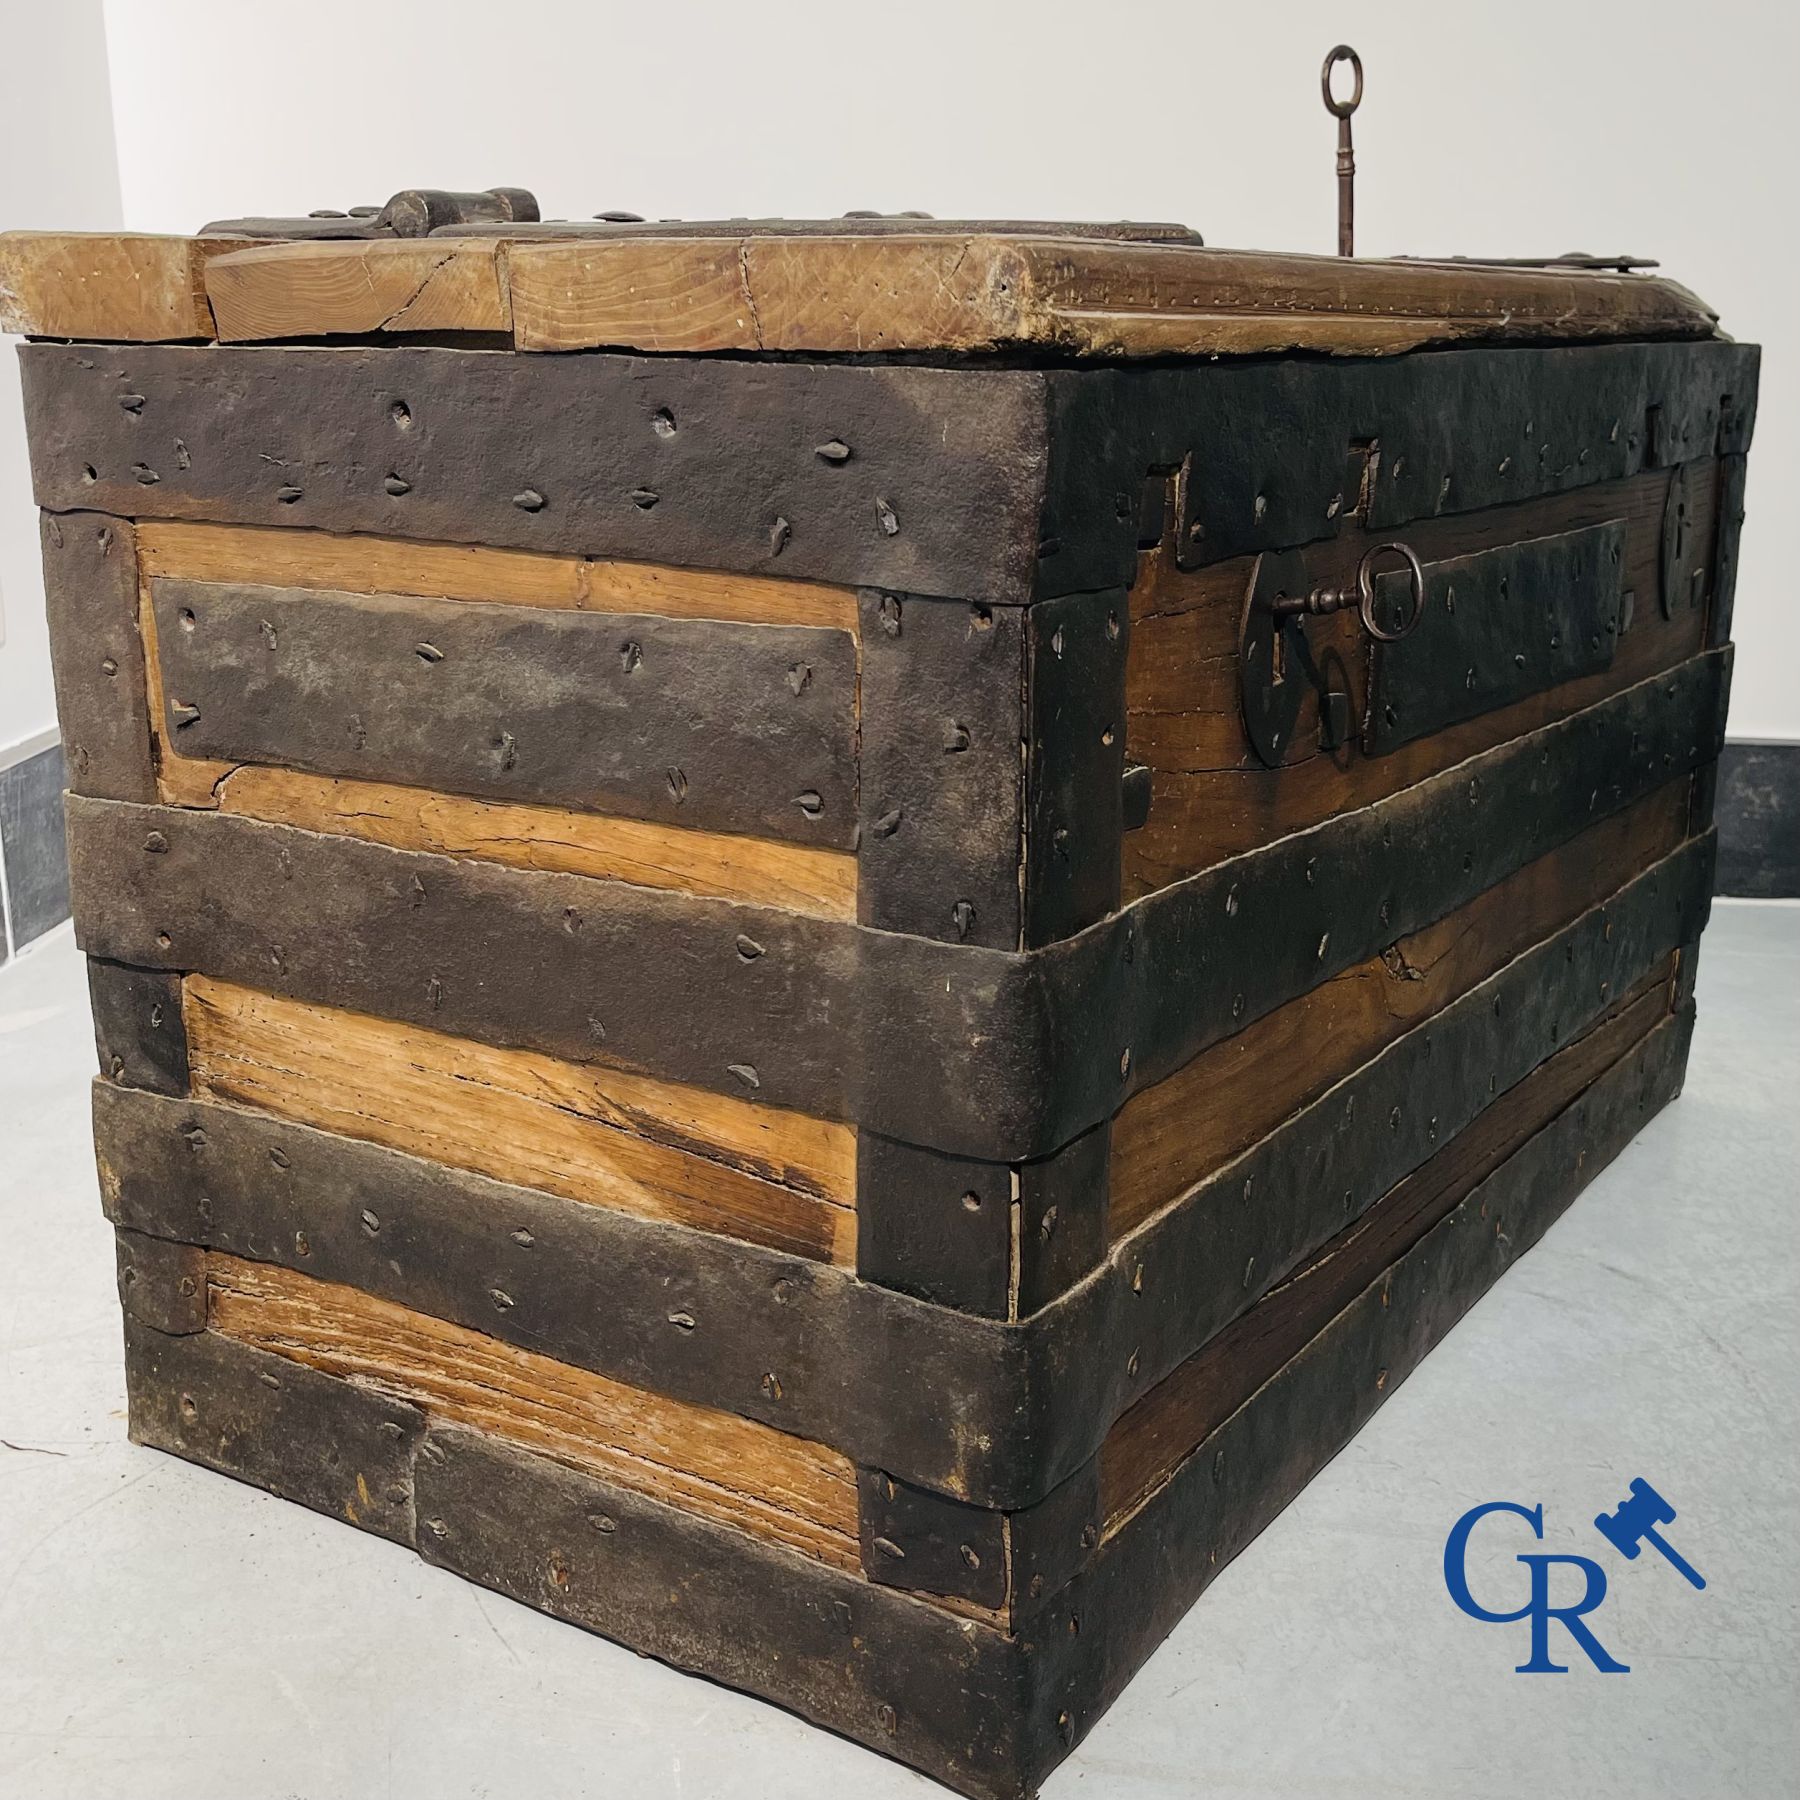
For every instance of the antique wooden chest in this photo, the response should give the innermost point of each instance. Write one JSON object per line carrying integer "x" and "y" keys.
{"x": 823, "y": 945}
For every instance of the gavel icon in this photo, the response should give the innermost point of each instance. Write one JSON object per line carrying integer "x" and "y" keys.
{"x": 1633, "y": 1524}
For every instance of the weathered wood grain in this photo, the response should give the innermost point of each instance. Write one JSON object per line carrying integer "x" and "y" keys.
{"x": 600, "y": 1136}
{"x": 846, "y": 287}
{"x": 1496, "y": 626}
{"x": 949, "y": 294}
{"x": 327, "y": 289}
{"x": 106, "y": 284}
{"x": 729, "y": 1469}
{"x": 760, "y": 871}
{"x": 1178, "y": 1131}
{"x": 364, "y": 564}
{"x": 721, "y": 727}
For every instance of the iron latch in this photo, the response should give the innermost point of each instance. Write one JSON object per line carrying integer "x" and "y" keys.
{"x": 1276, "y": 666}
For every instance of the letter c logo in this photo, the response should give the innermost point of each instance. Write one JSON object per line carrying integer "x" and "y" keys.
{"x": 1456, "y": 1551}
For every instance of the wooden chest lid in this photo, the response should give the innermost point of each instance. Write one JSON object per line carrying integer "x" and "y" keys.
{"x": 852, "y": 286}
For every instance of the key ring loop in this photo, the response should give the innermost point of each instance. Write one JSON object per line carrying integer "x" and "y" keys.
{"x": 1365, "y": 587}
{"x": 1341, "y": 109}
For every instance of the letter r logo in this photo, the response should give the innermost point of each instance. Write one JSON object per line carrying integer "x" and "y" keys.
{"x": 1538, "y": 1605}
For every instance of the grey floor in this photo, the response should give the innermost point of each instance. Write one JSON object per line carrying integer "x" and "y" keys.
{"x": 164, "y": 1632}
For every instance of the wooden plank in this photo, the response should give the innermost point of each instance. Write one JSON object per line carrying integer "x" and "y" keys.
{"x": 180, "y": 780}
{"x": 1176, "y": 1132}
{"x": 1210, "y": 796}
{"x": 120, "y": 285}
{"x": 654, "y": 1149}
{"x": 1154, "y": 300}
{"x": 362, "y": 564}
{"x": 1251, "y": 933}
{"x": 1161, "y": 1429}
{"x": 933, "y": 288}
{"x": 952, "y": 294}
{"x": 699, "y": 723}
{"x": 736, "y": 1471}
{"x": 326, "y": 289}
{"x": 759, "y": 871}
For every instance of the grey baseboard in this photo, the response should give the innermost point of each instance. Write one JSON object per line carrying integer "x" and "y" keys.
{"x": 32, "y": 850}
{"x": 1758, "y": 814}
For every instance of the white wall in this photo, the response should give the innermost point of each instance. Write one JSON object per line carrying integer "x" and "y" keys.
{"x": 1519, "y": 129}
{"x": 57, "y": 167}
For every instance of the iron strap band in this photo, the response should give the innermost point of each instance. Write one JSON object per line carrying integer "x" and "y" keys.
{"x": 988, "y": 1712}
{"x": 981, "y": 483}
{"x": 872, "y": 1372}
{"x": 977, "y": 1052}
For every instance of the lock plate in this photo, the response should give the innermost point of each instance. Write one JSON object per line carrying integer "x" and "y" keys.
{"x": 1497, "y": 625}
{"x": 1274, "y": 667}
{"x": 1684, "y": 557}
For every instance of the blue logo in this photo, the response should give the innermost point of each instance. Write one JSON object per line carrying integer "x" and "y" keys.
{"x": 1631, "y": 1525}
